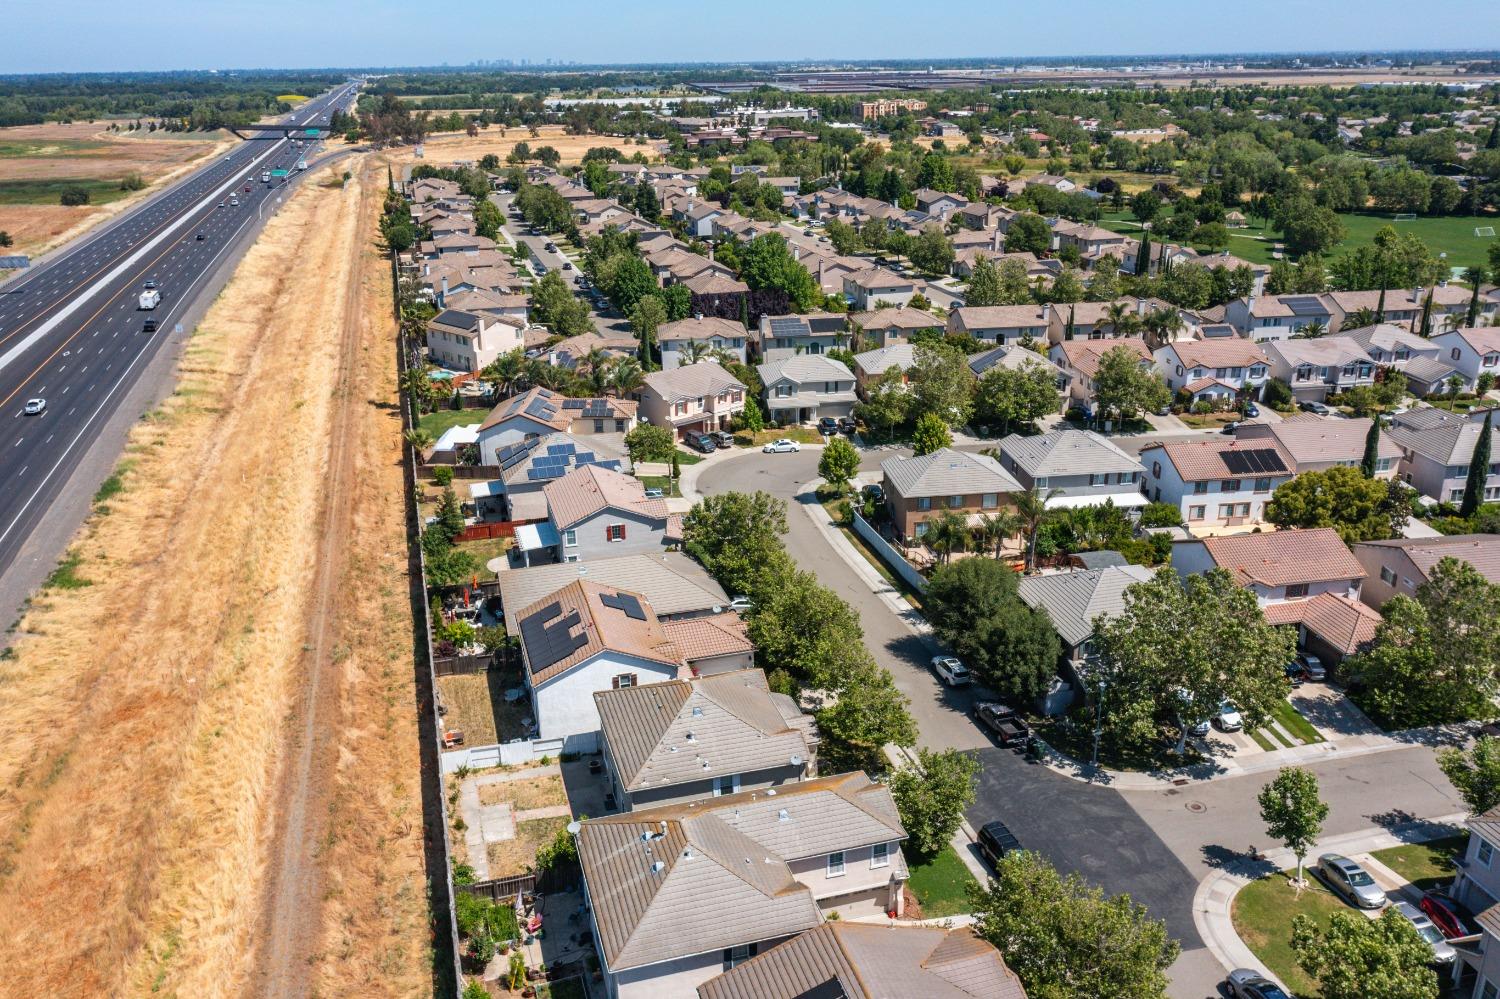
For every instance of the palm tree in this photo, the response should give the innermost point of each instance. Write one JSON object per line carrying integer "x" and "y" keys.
{"x": 946, "y": 532}
{"x": 1316, "y": 328}
{"x": 1163, "y": 324}
{"x": 504, "y": 371}
{"x": 1116, "y": 316}
{"x": 1358, "y": 319}
{"x": 694, "y": 352}
{"x": 1031, "y": 508}
{"x": 994, "y": 528}
{"x": 625, "y": 377}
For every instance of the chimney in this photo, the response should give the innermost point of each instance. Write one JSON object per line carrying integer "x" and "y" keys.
{"x": 1416, "y": 295}
{"x": 443, "y": 294}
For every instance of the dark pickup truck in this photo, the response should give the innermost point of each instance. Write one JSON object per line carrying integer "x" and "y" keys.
{"x": 1009, "y": 728}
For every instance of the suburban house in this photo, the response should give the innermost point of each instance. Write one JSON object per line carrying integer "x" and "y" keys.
{"x": 921, "y": 487}
{"x": 711, "y": 332}
{"x": 780, "y": 337}
{"x": 568, "y": 353}
{"x": 699, "y": 217}
{"x": 871, "y": 364}
{"x": 807, "y": 387}
{"x": 596, "y": 512}
{"x": 1473, "y": 350}
{"x": 1392, "y": 346}
{"x": 1277, "y": 565}
{"x": 1216, "y": 483}
{"x": 864, "y": 289}
{"x": 541, "y": 411}
{"x": 1079, "y": 360}
{"x": 691, "y": 398}
{"x": 677, "y": 741}
{"x": 871, "y": 961}
{"x": 1477, "y": 889}
{"x": 487, "y": 303}
{"x": 1330, "y": 626}
{"x": 1083, "y": 468}
{"x": 675, "y": 585}
{"x": 1221, "y": 368}
{"x": 1072, "y": 602}
{"x": 1320, "y": 367}
{"x": 1400, "y": 565}
{"x": 1000, "y": 324}
{"x": 584, "y": 638}
{"x": 462, "y": 341}
{"x": 527, "y": 466}
{"x": 822, "y": 845}
{"x": 1090, "y": 320}
{"x": 938, "y": 204}
{"x": 884, "y": 327}
{"x": 1317, "y": 444}
{"x": 1277, "y": 317}
{"x": 1436, "y": 448}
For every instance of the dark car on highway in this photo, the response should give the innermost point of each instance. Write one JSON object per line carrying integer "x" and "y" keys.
{"x": 996, "y": 840}
{"x": 149, "y": 326}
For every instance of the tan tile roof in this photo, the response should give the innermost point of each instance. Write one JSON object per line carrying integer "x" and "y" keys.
{"x": 705, "y": 637}
{"x": 1348, "y": 625}
{"x": 1278, "y": 558}
{"x": 873, "y": 961}
{"x": 709, "y": 283}
{"x": 1205, "y": 382}
{"x": 546, "y": 406}
{"x": 700, "y": 328}
{"x": 1084, "y": 355}
{"x": 971, "y": 317}
{"x": 905, "y": 318}
{"x": 603, "y": 627}
{"x": 1197, "y": 461}
{"x": 1219, "y": 352}
{"x": 1482, "y": 551}
{"x": 585, "y": 491}
{"x": 663, "y": 733}
{"x": 1313, "y": 440}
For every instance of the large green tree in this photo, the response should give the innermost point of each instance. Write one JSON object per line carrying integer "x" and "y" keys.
{"x": 941, "y": 383}
{"x": 974, "y": 607}
{"x": 1126, "y": 388}
{"x": 1015, "y": 395}
{"x": 737, "y": 537}
{"x": 930, "y": 434}
{"x": 838, "y": 463}
{"x": 932, "y": 251}
{"x": 931, "y": 797}
{"x": 887, "y": 403}
{"x": 1475, "y": 772}
{"x": 1479, "y": 470}
{"x": 805, "y": 628}
{"x": 1027, "y": 233}
{"x": 1066, "y": 939}
{"x": 984, "y": 283}
{"x": 767, "y": 264}
{"x": 1360, "y": 958}
{"x": 1179, "y": 648}
{"x": 1341, "y": 497}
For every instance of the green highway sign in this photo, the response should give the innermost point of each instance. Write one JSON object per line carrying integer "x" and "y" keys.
{"x": 278, "y": 173}
{"x": 311, "y": 131}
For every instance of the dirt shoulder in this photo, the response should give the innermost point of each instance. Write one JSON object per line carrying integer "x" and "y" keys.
{"x": 151, "y": 716}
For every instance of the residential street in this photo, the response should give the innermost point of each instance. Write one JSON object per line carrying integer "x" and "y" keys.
{"x": 1154, "y": 844}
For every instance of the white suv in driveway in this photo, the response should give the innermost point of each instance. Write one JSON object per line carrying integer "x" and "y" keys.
{"x": 951, "y": 671}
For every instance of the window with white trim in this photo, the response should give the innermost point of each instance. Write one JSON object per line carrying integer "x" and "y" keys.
{"x": 836, "y": 864}
{"x": 570, "y": 539}
{"x": 624, "y": 680}
{"x": 1483, "y": 854}
{"x": 614, "y": 532}
{"x": 727, "y": 784}
{"x": 1195, "y": 512}
{"x": 880, "y": 855}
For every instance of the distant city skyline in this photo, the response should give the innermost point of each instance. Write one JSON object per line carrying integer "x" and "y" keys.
{"x": 95, "y": 35}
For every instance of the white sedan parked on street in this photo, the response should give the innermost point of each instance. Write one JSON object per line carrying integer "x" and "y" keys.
{"x": 784, "y": 444}
{"x": 951, "y": 671}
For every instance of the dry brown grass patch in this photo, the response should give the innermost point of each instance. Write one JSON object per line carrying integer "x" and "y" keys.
{"x": 526, "y": 794}
{"x": 516, "y": 856}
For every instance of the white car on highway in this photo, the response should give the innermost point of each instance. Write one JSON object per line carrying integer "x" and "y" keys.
{"x": 34, "y": 406}
{"x": 784, "y": 444}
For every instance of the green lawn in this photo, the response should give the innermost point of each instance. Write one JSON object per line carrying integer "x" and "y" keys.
{"x": 941, "y": 885}
{"x": 1294, "y": 723}
{"x": 47, "y": 192}
{"x": 802, "y": 435}
{"x": 662, "y": 482}
{"x": 485, "y": 550}
{"x": 443, "y": 419}
{"x": 1263, "y": 912}
{"x": 1263, "y": 742}
{"x": 1425, "y": 865}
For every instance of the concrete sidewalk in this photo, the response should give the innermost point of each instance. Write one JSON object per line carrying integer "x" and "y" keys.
{"x": 1214, "y": 900}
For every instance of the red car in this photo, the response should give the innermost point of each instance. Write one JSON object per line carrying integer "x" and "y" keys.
{"x": 1445, "y": 915}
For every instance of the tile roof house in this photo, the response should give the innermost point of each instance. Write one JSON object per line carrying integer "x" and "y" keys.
{"x": 676, "y": 586}
{"x": 1000, "y": 324}
{"x": 1329, "y": 626}
{"x": 597, "y": 512}
{"x": 868, "y": 961}
{"x": 1233, "y": 361}
{"x": 870, "y": 365}
{"x": 1474, "y": 351}
{"x": 527, "y": 466}
{"x": 1216, "y": 483}
{"x": 543, "y": 411}
{"x": 1319, "y": 367}
{"x": 807, "y": 387}
{"x": 865, "y": 289}
{"x": 768, "y": 864}
{"x": 885, "y": 327}
{"x": 1084, "y": 468}
{"x": 1400, "y": 565}
{"x": 1079, "y": 360}
{"x": 692, "y": 398}
{"x": 1436, "y": 447}
{"x": 1477, "y": 889}
{"x": 1278, "y": 317}
{"x": 1317, "y": 444}
{"x": 673, "y": 742}
{"x": 712, "y": 332}
{"x": 584, "y": 638}
{"x": 779, "y": 337}
{"x": 462, "y": 341}
{"x": 1277, "y": 565}
{"x": 1392, "y": 346}
{"x": 919, "y": 488}
{"x": 568, "y": 353}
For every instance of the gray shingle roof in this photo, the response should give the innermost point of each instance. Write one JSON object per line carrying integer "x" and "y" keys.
{"x": 673, "y": 583}
{"x": 871, "y": 961}
{"x": 1444, "y": 437}
{"x": 947, "y": 472}
{"x": 1067, "y": 452}
{"x": 1073, "y": 599}
{"x": 664, "y": 733}
{"x": 805, "y": 368}
{"x": 898, "y": 355}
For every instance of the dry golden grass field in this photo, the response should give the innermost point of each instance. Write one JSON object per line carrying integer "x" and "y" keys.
{"x": 449, "y": 147}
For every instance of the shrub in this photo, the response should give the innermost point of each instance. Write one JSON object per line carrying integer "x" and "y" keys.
{"x": 132, "y": 182}
{"x": 1160, "y": 515}
{"x": 443, "y": 475}
{"x": 73, "y": 195}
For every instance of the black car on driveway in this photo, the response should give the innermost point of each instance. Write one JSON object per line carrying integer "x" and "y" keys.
{"x": 828, "y": 426}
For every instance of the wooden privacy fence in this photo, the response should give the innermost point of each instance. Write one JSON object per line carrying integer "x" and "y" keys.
{"x": 462, "y": 471}
{"x": 462, "y": 665}
{"x": 487, "y": 529}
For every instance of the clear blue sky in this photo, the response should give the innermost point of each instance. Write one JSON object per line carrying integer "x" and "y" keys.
{"x": 82, "y": 35}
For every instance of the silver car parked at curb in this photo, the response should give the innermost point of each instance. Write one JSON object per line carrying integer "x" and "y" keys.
{"x": 1351, "y": 881}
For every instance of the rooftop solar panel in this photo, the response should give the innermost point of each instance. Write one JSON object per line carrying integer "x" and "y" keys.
{"x": 625, "y": 602}
{"x": 574, "y": 403}
{"x": 1304, "y": 305}
{"x": 1259, "y": 461}
{"x": 547, "y": 640}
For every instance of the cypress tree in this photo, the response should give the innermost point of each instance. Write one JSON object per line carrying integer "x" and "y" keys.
{"x": 1426, "y": 328}
{"x": 1143, "y": 258}
{"x": 1477, "y": 277}
{"x": 1372, "y": 448}
{"x": 1068, "y": 332}
{"x": 1479, "y": 471}
{"x": 1493, "y": 142}
{"x": 1380, "y": 305}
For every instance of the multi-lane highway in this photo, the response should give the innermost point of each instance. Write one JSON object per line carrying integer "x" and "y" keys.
{"x": 72, "y": 332}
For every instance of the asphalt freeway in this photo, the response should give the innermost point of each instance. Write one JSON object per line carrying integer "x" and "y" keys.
{"x": 72, "y": 332}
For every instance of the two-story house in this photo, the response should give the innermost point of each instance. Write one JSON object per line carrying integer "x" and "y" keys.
{"x": 1436, "y": 448}
{"x": 677, "y": 587}
{"x": 657, "y": 738}
{"x": 711, "y": 333}
{"x": 584, "y": 638}
{"x": 691, "y": 398}
{"x": 1083, "y": 468}
{"x": 766, "y": 864}
{"x": 885, "y": 327}
{"x": 1477, "y": 889}
{"x": 461, "y": 341}
{"x": 1216, "y": 483}
{"x": 871, "y": 961}
{"x": 597, "y": 512}
{"x": 1277, "y": 565}
{"x": 1318, "y": 368}
{"x": 528, "y": 465}
{"x": 1472, "y": 350}
{"x": 1278, "y": 317}
{"x": 1079, "y": 360}
{"x": 807, "y": 387}
{"x": 1218, "y": 369}
{"x": 779, "y": 337}
{"x": 1000, "y": 324}
{"x": 1400, "y": 565}
{"x": 871, "y": 365}
{"x": 867, "y": 288}
{"x": 1073, "y": 602}
{"x": 1319, "y": 443}
{"x": 921, "y": 487}
{"x": 541, "y": 411}
{"x": 1091, "y": 320}
{"x": 938, "y": 204}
